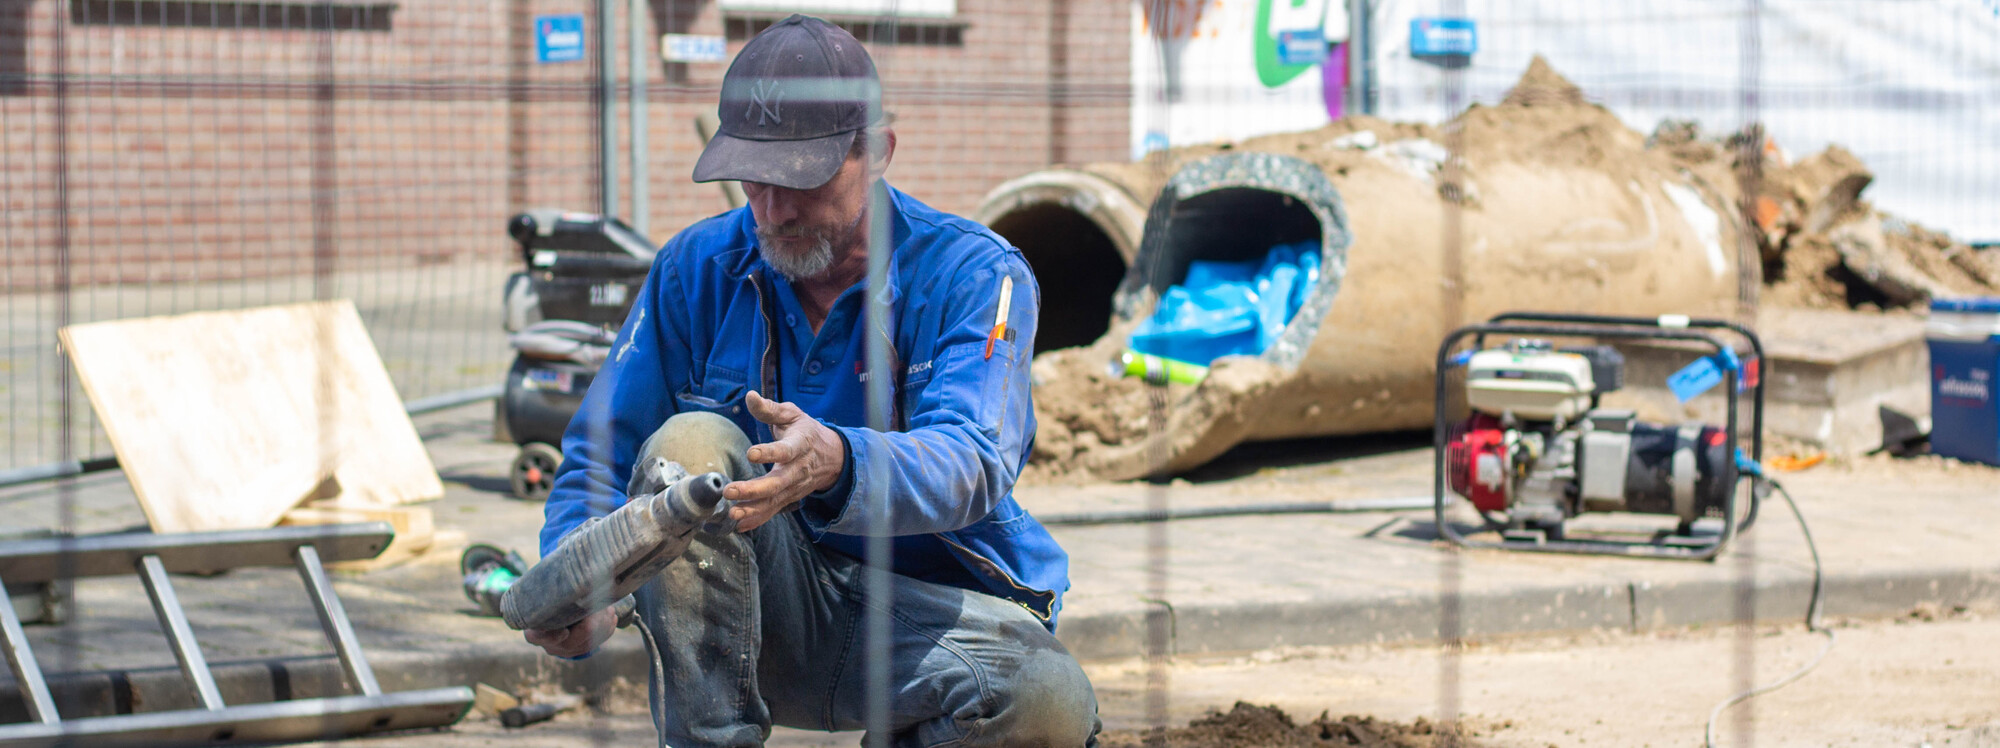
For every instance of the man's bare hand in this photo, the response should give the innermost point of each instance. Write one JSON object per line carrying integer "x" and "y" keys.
{"x": 581, "y": 638}
{"x": 807, "y": 457}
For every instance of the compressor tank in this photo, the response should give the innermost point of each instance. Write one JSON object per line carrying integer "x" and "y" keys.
{"x": 1555, "y": 206}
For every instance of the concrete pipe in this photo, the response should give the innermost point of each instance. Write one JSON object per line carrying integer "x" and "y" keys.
{"x": 1079, "y": 231}
{"x": 1557, "y": 211}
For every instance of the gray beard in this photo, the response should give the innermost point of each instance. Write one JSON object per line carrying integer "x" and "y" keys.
{"x": 811, "y": 263}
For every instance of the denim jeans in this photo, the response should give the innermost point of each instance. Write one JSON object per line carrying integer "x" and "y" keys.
{"x": 760, "y": 628}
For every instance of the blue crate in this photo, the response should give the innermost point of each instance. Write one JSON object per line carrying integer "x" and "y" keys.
{"x": 1964, "y": 338}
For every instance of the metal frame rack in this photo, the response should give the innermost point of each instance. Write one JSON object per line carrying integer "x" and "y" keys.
{"x": 153, "y": 557}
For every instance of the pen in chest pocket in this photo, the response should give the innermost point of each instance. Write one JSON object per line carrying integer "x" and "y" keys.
{"x": 1000, "y": 315}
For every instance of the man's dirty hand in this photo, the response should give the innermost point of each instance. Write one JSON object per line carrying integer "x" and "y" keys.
{"x": 581, "y": 638}
{"x": 807, "y": 457}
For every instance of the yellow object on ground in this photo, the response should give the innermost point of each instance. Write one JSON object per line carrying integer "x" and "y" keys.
{"x": 1795, "y": 463}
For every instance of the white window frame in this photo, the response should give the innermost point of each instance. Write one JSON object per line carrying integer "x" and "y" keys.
{"x": 846, "y": 8}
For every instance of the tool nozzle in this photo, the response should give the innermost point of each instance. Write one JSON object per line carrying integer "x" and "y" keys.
{"x": 706, "y": 490}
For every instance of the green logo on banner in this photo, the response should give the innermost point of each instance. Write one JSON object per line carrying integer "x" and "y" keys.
{"x": 1270, "y": 70}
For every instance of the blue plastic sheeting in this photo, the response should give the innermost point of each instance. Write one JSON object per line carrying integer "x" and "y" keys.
{"x": 1230, "y": 308}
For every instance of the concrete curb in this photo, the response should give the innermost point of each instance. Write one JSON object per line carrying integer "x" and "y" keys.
{"x": 1632, "y": 606}
{"x": 1192, "y": 630}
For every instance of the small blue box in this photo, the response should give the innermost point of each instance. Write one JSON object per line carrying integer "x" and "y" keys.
{"x": 1964, "y": 338}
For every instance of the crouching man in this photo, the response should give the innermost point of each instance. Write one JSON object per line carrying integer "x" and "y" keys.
{"x": 745, "y": 354}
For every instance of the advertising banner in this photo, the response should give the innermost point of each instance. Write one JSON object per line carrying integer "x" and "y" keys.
{"x": 1215, "y": 70}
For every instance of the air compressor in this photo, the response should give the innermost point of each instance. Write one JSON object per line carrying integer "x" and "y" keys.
{"x": 1536, "y": 449}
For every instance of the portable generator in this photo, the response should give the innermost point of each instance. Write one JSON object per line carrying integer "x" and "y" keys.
{"x": 1536, "y": 449}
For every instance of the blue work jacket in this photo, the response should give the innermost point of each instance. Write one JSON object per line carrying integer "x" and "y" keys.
{"x": 714, "y": 321}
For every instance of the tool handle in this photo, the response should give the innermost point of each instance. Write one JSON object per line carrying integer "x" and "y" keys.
{"x": 522, "y": 716}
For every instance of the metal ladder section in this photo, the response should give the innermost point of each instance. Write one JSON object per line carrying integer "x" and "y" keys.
{"x": 153, "y": 557}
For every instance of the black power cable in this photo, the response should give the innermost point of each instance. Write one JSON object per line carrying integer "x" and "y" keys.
{"x": 1124, "y": 516}
{"x": 1813, "y": 623}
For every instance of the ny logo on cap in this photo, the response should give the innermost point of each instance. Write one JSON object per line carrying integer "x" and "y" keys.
{"x": 765, "y": 100}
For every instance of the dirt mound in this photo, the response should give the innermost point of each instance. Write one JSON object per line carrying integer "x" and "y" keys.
{"x": 1541, "y": 85}
{"x": 1082, "y": 408}
{"x": 1091, "y": 421}
{"x": 1823, "y": 247}
{"x": 1252, "y": 726}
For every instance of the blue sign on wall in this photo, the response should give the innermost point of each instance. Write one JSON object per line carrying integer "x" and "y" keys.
{"x": 559, "y": 38}
{"x": 1443, "y": 37}
{"x": 1303, "y": 47}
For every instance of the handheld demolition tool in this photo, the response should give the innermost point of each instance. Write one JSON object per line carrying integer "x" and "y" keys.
{"x": 608, "y": 557}
{"x": 1537, "y": 449}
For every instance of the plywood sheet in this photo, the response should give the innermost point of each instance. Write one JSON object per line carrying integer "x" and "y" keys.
{"x": 415, "y": 531}
{"x": 225, "y": 420}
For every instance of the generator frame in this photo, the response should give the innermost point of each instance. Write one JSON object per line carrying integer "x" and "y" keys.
{"x": 1555, "y": 325}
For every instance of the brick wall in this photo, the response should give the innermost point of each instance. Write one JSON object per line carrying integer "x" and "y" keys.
{"x": 202, "y": 140}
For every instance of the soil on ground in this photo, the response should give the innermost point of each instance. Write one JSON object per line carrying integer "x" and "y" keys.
{"x": 1251, "y": 726}
{"x": 1082, "y": 407}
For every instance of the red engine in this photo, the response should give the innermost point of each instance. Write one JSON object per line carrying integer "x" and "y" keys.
{"x": 1476, "y": 462}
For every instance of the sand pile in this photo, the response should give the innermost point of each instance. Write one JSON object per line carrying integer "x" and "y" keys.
{"x": 1541, "y": 85}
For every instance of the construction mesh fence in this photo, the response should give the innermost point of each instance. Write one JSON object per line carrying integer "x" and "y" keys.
{"x": 174, "y": 156}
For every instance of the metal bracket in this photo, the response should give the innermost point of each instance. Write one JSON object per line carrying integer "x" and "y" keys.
{"x": 153, "y": 557}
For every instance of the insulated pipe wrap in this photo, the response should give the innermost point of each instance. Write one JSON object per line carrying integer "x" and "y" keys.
{"x": 610, "y": 557}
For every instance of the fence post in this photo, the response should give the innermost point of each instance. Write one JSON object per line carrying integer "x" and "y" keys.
{"x": 636, "y": 58}
{"x": 1360, "y": 58}
{"x": 607, "y": 114}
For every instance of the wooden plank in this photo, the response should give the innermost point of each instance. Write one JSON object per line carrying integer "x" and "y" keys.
{"x": 225, "y": 420}
{"x": 492, "y": 701}
{"x": 415, "y": 534}
{"x": 410, "y": 521}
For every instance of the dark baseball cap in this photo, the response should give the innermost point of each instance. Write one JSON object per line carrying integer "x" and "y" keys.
{"x": 792, "y": 102}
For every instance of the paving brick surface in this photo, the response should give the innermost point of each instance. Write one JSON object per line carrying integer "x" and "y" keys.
{"x": 1895, "y": 535}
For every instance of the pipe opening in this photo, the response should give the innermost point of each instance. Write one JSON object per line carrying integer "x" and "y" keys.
{"x": 1269, "y": 238}
{"x": 1075, "y": 263}
{"x": 1232, "y": 224}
